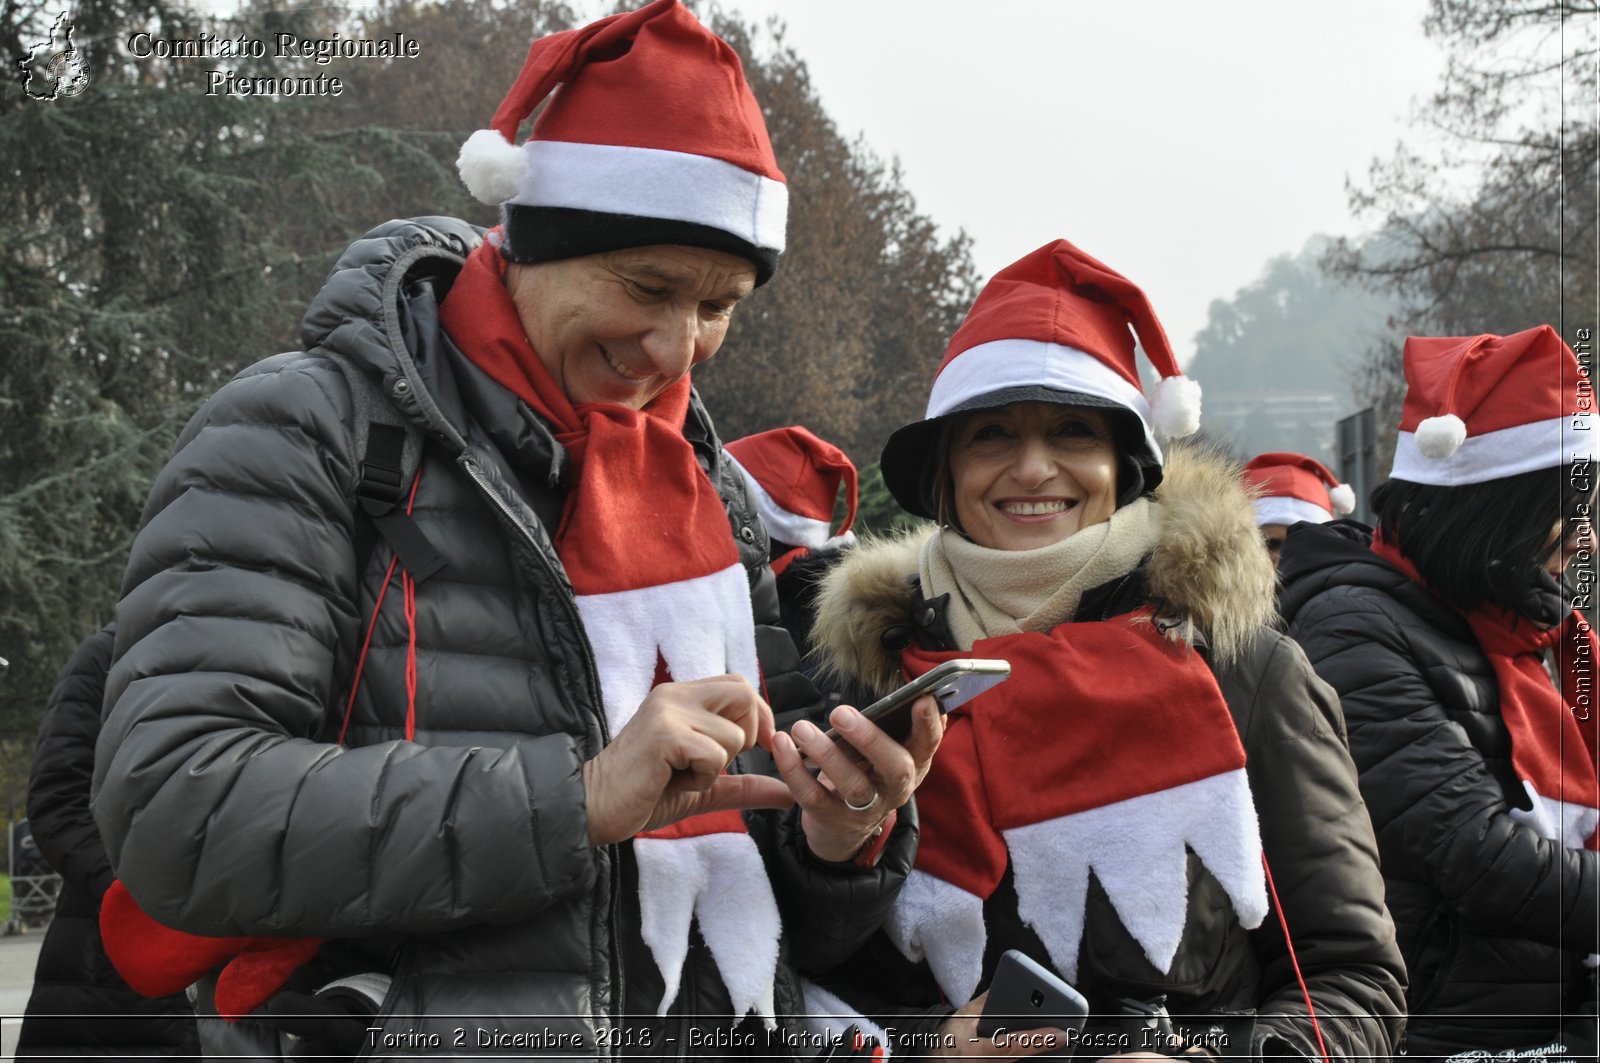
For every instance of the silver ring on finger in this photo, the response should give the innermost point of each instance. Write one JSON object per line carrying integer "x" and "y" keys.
{"x": 866, "y": 807}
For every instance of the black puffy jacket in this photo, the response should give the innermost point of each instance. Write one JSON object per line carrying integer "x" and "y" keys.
{"x": 80, "y": 1006}
{"x": 459, "y": 862}
{"x": 1493, "y": 919}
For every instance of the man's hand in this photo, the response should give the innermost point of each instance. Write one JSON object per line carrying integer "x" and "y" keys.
{"x": 959, "y": 1037}
{"x": 667, "y": 763}
{"x": 842, "y": 807}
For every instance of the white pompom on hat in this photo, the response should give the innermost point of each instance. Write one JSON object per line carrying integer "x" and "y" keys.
{"x": 1481, "y": 408}
{"x": 654, "y": 138}
{"x": 491, "y": 167}
{"x": 1057, "y": 325}
{"x": 1295, "y": 488}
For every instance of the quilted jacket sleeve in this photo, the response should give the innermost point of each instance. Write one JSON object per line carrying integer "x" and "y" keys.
{"x": 221, "y": 810}
{"x": 63, "y": 762}
{"x": 1429, "y": 791}
{"x": 829, "y": 911}
{"x": 1323, "y": 860}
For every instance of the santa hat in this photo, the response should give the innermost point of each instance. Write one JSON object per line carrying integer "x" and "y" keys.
{"x": 1481, "y": 408}
{"x": 654, "y": 138}
{"x": 1295, "y": 488}
{"x": 1056, "y": 326}
{"x": 795, "y": 478}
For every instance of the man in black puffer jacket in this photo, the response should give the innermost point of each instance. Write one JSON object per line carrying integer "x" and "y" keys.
{"x": 1494, "y": 921}
{"x": 438, "y": 776}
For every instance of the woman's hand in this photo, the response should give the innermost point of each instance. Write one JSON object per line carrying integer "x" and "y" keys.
{"x": 844, "y": 805}
{"x": 958, "y": 1037}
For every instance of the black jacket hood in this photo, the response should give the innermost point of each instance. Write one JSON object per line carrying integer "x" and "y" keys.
{"x": 1320, "y": 557}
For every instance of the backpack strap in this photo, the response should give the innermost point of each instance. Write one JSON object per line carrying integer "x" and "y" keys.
{"x": 391, "y": 454}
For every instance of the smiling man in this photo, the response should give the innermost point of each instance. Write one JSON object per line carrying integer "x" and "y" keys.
{"x": 464, "y": 728}
{"x": 624, "y": 326}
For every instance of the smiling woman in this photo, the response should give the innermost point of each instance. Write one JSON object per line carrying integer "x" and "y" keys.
{"x": 1129, "y": 591}
{"x": 1032, "y": 473}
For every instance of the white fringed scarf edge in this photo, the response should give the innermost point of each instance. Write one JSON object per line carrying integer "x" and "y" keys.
{"x": 700, "y": 627}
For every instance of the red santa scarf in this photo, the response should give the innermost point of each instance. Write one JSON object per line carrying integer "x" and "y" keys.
{"x": 1110, "y": 750}
{"x": 1553, "y": 730}
{"x": 644, "y": 538}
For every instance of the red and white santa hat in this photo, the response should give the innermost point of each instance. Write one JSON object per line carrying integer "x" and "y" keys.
{"x": 795, "y": 477}
{"x": 653, "y": 138}
{"x": 1295, "y": 488}
{"x": 1481, "y": 408}
{"x": 1055, "y": 326}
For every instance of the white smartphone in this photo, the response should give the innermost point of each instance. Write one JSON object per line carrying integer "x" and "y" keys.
{"x": 952, "y": 684}
{"x": 1026, "y": 995}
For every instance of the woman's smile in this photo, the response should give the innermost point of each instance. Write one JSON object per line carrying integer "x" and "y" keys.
{"x": 1032, "y": 473}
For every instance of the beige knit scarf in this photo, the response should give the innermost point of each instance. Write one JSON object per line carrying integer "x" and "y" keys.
{"x": 1005, "y": 592}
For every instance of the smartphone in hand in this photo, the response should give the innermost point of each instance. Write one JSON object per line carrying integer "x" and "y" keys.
{"x": 1026, "y": 995}
{"x": 952, "y": 684}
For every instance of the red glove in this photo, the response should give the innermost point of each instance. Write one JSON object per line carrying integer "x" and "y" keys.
{"x": 157, "y": 960}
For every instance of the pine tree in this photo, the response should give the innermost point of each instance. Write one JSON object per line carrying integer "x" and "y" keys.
{"x": 154, "y": 239}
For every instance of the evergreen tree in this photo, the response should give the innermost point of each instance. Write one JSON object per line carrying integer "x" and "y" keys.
{"x": 154, "y": 239}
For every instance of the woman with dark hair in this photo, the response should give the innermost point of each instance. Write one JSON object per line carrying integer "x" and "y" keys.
{"x": 1158, "y": 803}
{"x": 1467, "y": 678}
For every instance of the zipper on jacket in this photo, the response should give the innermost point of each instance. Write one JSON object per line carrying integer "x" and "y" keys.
{"x": 592, "y": 672}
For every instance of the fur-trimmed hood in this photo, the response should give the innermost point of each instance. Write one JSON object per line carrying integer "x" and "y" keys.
{"x": 1208, "y": 570}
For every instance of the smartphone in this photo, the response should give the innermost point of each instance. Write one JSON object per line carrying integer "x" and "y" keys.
{"x": 1025, "y": 995}
{"x": 952, "y": 684}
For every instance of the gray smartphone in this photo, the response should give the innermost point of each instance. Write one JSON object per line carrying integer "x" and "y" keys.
{"x": 952, "y": 684}
{"x": 1026, "y": 995}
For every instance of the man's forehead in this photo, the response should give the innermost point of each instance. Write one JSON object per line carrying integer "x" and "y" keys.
{"x": 683, "y": 266}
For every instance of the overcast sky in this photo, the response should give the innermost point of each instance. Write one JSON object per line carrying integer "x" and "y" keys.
{"x": 1182, "y": 142}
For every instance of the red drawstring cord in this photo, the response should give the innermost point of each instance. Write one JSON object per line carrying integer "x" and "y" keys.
{"x": 1294, "y": 960}
{"x": 408, "y": 590}
{"x": 361, "y": 661}
{"x": 408, "y": 587}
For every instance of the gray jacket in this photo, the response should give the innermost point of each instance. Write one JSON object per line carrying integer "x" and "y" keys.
{"x": 458, "y": 862}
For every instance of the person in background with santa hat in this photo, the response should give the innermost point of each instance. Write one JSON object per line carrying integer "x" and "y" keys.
{"x": 795, "y": 477}
{"x": 481, "y": 792}
{"x": 1467, "y": 680}
{"x": 1292, "y": 488}
{"x": 1158, "y": 803}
